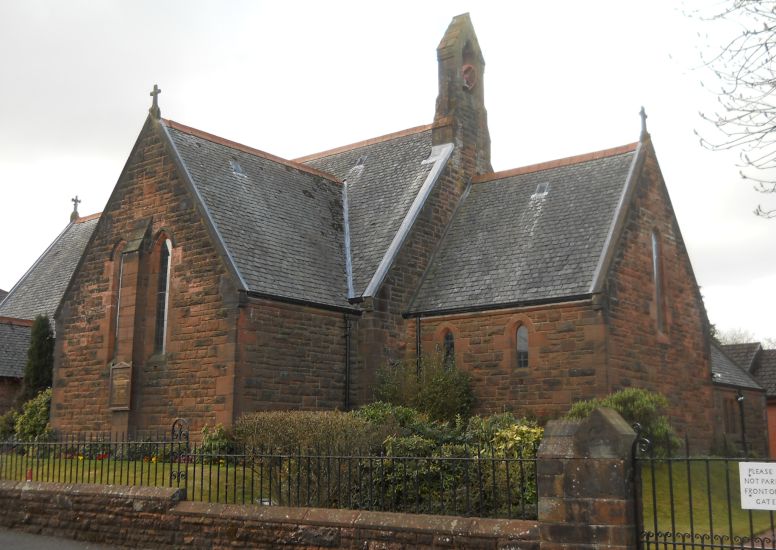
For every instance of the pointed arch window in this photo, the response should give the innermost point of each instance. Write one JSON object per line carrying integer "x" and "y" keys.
{"x": 657, "y": 272}
{"x": 449, "y": 350}
{"x": 162, "y": 297}
{"x": 521, "y": 343}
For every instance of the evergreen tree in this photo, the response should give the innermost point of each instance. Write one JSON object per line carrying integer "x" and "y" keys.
{"x": 40, "y": 359}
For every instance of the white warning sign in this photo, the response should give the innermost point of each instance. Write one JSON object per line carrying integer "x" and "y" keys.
{"x": 758, "y": 485}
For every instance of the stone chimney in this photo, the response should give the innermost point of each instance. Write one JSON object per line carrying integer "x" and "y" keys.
{"x": 460, "y": 116}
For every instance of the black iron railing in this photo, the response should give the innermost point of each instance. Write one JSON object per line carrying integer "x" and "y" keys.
{"x": 471, "y": 482}
{"x": 695, "y": 502}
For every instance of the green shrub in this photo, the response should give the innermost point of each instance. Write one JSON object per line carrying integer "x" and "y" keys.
{"x": 216, "y": 440}
{"x": 289, "y": 431}
{"x": 434, "y": 388}
{"x": 32, "y": 424}
{"x": 635, "y": 405}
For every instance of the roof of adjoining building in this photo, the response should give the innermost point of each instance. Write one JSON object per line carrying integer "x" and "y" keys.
{"x": 726, "y": 371}
{"x": 383, "y": 177}
{"x": 742, "y": 354}
{"x": 765, "y": 371}
{"x": 41, "y": 288}
{"x": 531, "y": 234}
{"x": 14, "y": 343}
{"x": 3, "y": 294}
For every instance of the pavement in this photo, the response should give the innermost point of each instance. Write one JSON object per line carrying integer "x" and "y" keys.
{"x": 19, "y": 540}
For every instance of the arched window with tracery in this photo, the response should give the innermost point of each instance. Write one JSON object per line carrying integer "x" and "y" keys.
{"x": 449, "y": 349}
{"x": 521, "y": 344}
{"x": 162, "y": 297}
{"x": 115, "y": 298}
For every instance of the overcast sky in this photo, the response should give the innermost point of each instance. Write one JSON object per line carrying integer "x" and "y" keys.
{"x": 291, "y": 78}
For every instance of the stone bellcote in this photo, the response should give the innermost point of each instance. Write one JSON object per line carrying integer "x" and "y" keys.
{"x": 460, "y": 116}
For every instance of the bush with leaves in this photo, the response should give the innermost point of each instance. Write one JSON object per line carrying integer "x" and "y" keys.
{"x": 635, "y": 405}
{"x": 441, "y": 391}
{"x": 480, "y": 466}
{"x": 32, "y": 424}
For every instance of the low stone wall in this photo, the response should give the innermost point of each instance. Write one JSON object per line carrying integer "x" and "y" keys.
{"x": 152, "y": 517}
{"x": 584, "y": 486}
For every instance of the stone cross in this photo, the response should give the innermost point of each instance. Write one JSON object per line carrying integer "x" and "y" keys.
{"x": 76, "y": 201}
{"x": 643, "y": 115}
{"x": 154, "y": 110}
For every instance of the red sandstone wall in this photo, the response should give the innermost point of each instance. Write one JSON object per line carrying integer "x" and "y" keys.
{"x": 675, "y": 361}
{"x": 290, "y": 357}
{"x": 9, "y": 389}
{"x": 566, "y": 353}
{"x": 195, "y": 378}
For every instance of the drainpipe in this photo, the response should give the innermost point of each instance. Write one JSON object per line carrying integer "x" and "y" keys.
{"x": 347, "y": 362}
{"x": 417, "y": 345}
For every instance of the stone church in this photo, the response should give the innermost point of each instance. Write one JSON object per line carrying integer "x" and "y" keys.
{"x": 221, "y": 279}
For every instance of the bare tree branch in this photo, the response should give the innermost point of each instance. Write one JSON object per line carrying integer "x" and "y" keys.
{"x": 745, "y": 72}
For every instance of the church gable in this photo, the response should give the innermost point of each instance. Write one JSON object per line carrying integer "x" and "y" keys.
{"x": 657, "y": 330}
{"x": 149, "y": 282}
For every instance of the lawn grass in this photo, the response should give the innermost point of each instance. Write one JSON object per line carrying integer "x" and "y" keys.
{"x": 710, "y": 504}
{"x": 209, "y": 480}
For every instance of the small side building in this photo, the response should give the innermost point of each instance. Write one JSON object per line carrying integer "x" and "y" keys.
{"x": 761, "y": 364}
{"x": 38, "y": 292}
{"x": 736, "y": 391}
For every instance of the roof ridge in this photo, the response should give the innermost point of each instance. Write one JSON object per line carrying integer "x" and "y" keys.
{"x": 247, "y": 149}
{"x": 567, "y": 161}
{"x": 88, "y": 218}
{"x": 364, "y": 143}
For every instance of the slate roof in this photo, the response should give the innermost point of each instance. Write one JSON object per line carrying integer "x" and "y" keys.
{"x": 510, "y": 244}
{"x": 726, "y": 372}
{"x": 41, "y": 288}
{"x": 282, "y": 225}
{"x": 380, "y": 190}
{"x": 3, "y": 294}
{"x": 765, "y": 371}
{"x": 742, "y": 354}
{"x": 14, "y": 343}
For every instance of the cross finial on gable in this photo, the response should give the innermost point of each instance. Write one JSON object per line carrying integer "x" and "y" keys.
{"x": 643, "y": 115}
{"x": 154, "y": 110}
{"x": 74, "y": 215}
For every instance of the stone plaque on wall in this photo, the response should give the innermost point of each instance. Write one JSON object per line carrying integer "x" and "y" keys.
{"x": 120, "y": 386}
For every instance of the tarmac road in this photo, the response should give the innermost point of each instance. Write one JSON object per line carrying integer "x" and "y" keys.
{"x": 19, "y": 540}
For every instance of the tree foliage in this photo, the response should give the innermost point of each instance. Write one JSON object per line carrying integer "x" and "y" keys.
{"x": 40, "y": 359}
{"x": 746, "y": 75}
{"x": 433, "y": 387}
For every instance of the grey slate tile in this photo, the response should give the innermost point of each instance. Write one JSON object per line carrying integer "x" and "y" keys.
{"x": 282, "y": 226}
{"x": 380, "y": 193}
{"x": 509, "y": 244}
{"x": 765, "y": 371}
{"x": 40, "y": 290}
{"x": 14, "y": 343}
{"x": 727, "y": 372}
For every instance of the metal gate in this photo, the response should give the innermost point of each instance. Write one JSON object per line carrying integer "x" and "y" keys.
{"x": 694, "y": 502}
